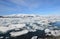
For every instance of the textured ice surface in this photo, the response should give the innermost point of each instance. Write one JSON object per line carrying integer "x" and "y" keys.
{"x": 30, "y": 22}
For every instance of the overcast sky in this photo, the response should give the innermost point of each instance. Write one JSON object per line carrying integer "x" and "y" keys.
{"x": 42, "y": 7}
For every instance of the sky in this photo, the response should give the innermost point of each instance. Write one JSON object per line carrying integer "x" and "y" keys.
{"x": 42, "y": 7}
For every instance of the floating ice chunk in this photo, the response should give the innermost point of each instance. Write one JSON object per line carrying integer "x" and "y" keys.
{"x": 4, "y": 29}
{"x": 14, "y": 34}
{"x": 34, "y": 37}
{"x": 14, "y": 26}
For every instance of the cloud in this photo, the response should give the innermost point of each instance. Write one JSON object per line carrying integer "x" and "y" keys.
{"x": 30, "y": 3}
{"x": 29, "y": 6}
{"x": 22, "y": 3}
{"x": 18, "y": 2}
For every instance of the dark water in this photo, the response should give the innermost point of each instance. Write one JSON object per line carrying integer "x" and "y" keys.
{"x": 39, "y": 33}
{"x": 29, "y": 35}
{"x": 57, "y": 24}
